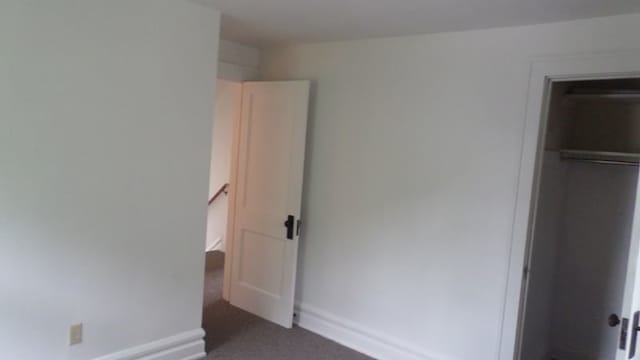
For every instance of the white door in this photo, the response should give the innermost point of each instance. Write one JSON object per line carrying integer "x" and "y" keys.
{"x": 267, "y": 198}
{"x": 629, "y": 341}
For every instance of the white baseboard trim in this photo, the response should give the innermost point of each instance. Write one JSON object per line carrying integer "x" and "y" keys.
{"x": 357, "y": 337}
{"x": 184, "y": 346}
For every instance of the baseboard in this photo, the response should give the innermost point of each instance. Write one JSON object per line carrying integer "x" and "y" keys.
{"x": 184, "y": 346}
{"x": 357, "y": 337}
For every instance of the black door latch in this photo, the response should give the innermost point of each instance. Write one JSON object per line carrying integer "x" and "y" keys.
{"x": 289, "y": 225}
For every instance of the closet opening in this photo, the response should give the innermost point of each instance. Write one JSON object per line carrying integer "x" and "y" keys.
{"x": 579, "y": 251}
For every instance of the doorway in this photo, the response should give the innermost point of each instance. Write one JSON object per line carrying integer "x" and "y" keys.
{"x": 255, "y": 202}
{"x": 228, "y": 103}
{"x": 583, "y": 217}
{"x": 261, "y": 127}
{"x": 220, "y": 319}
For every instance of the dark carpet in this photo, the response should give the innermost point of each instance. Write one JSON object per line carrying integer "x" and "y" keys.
{"x": 235, "y": 334}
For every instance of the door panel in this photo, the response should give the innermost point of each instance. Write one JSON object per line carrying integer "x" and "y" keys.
{"x": 269, "y": 189}
{"x": 631, "y": 300}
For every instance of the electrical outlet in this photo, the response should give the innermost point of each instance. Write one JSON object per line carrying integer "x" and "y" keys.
{"x": 75, "y": 334}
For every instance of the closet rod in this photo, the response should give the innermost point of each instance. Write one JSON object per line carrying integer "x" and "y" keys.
{"x": 604, "y": 162}
{"x": 601, "y": 157}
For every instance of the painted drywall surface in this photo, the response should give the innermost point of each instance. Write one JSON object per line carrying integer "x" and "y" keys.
{"x": 550, "y": 217}
{"x": 412, "y": 163}
{"x": 227, "y": 107}
{"x": 105, "y": 111}
{"x": 238, "y": 62}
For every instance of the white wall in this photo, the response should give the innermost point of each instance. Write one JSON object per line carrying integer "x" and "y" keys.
{"x": 227, "y": 111}
{"x": 105, "y": 111}
{"x": 238, "y": 62}
{"x": 412, "y": 162}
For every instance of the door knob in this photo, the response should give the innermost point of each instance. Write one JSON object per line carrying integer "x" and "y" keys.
{"x": 613, "y": 320}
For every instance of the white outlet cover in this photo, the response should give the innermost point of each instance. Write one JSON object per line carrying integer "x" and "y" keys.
{"x": 75, "y": 334}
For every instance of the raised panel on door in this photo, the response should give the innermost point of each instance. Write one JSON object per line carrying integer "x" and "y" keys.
{"x": 268, "y": 190}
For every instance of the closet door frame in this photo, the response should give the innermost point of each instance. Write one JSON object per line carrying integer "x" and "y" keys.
{"x": 544, "y": 72}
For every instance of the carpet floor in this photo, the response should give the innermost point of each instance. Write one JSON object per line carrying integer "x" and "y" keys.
{"x": 236, "y": 334}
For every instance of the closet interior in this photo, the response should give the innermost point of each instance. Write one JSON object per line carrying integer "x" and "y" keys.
{"x": 583, "y": 217}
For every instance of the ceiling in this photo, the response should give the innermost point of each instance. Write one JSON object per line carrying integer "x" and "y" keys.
{"x": 268, "y": 22}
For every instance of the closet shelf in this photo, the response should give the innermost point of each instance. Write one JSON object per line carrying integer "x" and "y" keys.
{"x": 601, "y": 157}
{"x": 608, "y": 95}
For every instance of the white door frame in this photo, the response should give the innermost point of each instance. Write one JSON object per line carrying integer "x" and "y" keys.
{"x": 544, "y": 72}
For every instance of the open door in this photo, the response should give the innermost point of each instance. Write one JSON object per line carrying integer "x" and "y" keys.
{"x": 267, "y": 198}
{"x": 629, "y": 341}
